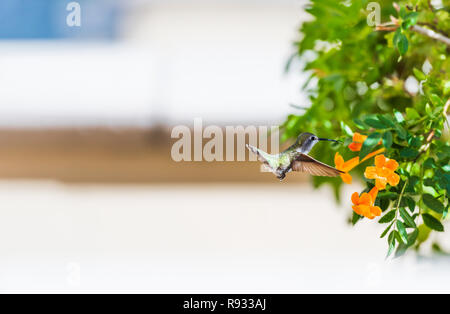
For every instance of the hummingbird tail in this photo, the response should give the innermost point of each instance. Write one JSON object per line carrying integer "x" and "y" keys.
{"x": 262, "y": 156}
{"x": 253, "y": 149}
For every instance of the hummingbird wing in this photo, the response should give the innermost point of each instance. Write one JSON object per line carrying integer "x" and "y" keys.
{"x": 305, "y": 163}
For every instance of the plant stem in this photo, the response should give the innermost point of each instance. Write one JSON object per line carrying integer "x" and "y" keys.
{"x": 432, "y": 34}
{"x": 391, "y": 26}
{"x": 431, "y": 26}
{"x": 430, "y": 135}
{"x": 446, "y": 106}
{"x": 399, "y": 202}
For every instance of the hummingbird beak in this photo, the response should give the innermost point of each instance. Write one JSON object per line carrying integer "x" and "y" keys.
{"x": 327, "y": 139}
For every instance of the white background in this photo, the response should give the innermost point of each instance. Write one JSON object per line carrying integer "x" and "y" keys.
{"x": 174, "y": 61}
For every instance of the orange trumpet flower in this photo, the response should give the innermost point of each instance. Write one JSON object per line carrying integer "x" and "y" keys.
{"x": 358, "y": 140}
{"x": 383, "y": 172}
{"x": 345, "y": 166}
{"x": 364, "y": 205}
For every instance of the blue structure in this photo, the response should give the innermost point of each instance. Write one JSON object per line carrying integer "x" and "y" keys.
{"x": 46, "y": 19}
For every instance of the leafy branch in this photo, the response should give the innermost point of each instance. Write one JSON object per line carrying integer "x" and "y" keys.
{"x": 431, "y": 33}
{"x": 395, "y": 24}
{"x": 394, "y": 135}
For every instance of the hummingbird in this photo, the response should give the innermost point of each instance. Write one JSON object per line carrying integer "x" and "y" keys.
{"x": 296, "y": 158}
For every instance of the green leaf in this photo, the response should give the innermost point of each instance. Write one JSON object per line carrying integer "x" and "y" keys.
{"x": 388, "y": 217}
{"x": 409, "y": 152}
{"x": 446, "y": 87}
{"x": 355, "y": 218}
{"x": 424, "y": 233}
{"x": 437, "y": 249}
{"x": 360, "y": 124}
{"x": 402, "y": 12}
{"x": 432, "y": 222}
{"x": 391, "y": 242}
{"x": 383, "y": 203}
{"x": 347, "y": 130}
{"x": 412, "y": 237}
{"x": 396, "y": 38}
{"x": 400, "y": 41}
{"x": 412, "y": 184}
{"x": 403, "y": 44}
{"x": 414, "y": 141}
{"x": 429, "y": 111}
{"x": 445, "y": 213}
{"x": 412, "y": 114}
{"x": 398, "y": 237}
{"x": 402, "y": 232}
{"x": 410, "y": 202}
{"x": 410, "y": 19}
{"x": 401, "y": 250}
{"x": 387, "y": 139}
{"x": 398, "y": 116}
{"x": 375, "y": 123}
{"x": 388, "y": 195}
{"x": 409, "y": 221}
{"x": 388, "y": 121}
{"x": 401, "y": 132}
{"x": 371, "y": 141}
{"x": 433, "y": 203}
{"x": 436, "y": 100}
{"x": 387, "y": 230}
{"x": 429, "y": 163}
{"x": 420, "y": 76}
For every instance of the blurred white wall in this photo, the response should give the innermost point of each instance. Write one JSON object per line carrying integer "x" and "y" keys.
{"x": 207, "y": 239}
{"x": 221, "y": 61}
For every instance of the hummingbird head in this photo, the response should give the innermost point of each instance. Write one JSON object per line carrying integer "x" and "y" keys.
{"x": 306, "y": 141}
